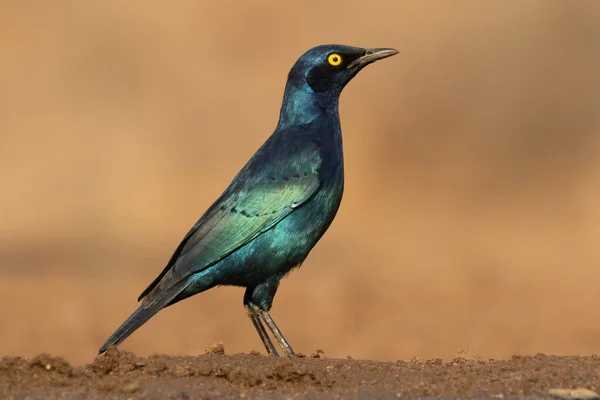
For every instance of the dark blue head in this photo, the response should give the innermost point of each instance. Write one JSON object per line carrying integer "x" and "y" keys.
{"x": 318, "y": 77}
{"x": 329, "y": 68}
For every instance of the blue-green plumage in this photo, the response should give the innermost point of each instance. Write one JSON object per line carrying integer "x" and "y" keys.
{"x": 277, "y": 207}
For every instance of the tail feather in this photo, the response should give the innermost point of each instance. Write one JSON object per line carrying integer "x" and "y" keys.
{"x": 143, "y": 314}
{"x": 137, "y": 319}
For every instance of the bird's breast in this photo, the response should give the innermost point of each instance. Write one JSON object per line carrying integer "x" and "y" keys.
{"x": 318, "y": 213}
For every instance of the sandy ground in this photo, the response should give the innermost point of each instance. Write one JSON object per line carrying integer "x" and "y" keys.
{"x": 122, "y": 375}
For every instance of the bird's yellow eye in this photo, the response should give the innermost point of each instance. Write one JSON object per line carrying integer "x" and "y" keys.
{"x": 334, "y": 59}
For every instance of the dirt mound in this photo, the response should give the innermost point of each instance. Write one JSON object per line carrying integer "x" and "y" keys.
{"x": 122, "y": 375}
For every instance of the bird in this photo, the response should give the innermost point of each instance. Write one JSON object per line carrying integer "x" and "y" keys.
{"x": 276, "y": 208}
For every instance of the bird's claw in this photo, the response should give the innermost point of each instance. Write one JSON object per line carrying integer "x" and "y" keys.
{"x": 268, "y": 320}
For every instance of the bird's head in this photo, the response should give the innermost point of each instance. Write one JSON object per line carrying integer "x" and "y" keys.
{"x": 328, "y": 68}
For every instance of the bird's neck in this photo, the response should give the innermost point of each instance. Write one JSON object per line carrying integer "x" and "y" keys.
{"x": 302, "y": 106}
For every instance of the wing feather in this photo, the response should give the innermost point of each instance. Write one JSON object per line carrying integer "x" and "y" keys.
{"x": 241, "y": 214}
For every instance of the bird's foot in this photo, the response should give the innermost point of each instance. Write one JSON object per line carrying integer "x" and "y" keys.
{"x": 266, "y": 317}
{"x": 262, "y": 332}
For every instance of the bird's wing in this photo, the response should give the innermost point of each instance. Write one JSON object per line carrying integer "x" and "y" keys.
{"x": 239, "y": 216}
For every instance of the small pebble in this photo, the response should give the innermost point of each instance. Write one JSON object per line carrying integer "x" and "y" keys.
{"x": 469, "y": 355}
{"x": 317, "y": 354}
{"x": 573, "y": 394}
{"x": 215, "y": 348}
{"x": 131, "y": 387}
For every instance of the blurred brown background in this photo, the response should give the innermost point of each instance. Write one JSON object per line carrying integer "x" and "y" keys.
{"x": 471, "y": 215}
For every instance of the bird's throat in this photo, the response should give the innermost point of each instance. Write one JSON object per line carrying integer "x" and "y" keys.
{"x": 302, "y": 106}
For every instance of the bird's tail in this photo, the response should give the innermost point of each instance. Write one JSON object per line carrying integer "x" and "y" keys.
{"x": 137, "y": 319}
{"x": 143, "y": 314}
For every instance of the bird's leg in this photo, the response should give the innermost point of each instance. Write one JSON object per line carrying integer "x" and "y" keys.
{"x": 262, "y": 332}
{"x": 275, "y": 330}
{"x": 263, "y": 294}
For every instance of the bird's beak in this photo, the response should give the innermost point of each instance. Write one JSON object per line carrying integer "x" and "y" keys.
{"x": 372, "y": 55}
